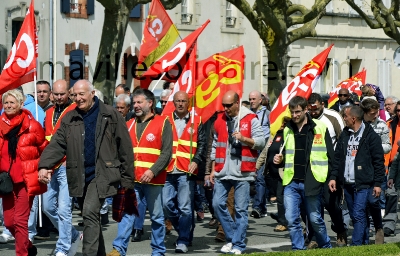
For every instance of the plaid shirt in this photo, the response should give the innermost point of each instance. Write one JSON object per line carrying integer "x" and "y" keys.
{"x": 124, "y": 202}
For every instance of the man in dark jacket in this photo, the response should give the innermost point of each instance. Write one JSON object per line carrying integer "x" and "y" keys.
{"x": 359, "y": 167}
{"x": 94, "y": 138}
{"x": 344, "y": 100}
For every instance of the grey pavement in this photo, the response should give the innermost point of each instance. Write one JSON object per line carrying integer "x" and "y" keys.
{"x": 260, "y": 238}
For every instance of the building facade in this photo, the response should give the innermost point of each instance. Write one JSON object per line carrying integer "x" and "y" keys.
{"x": 70, "y": 31}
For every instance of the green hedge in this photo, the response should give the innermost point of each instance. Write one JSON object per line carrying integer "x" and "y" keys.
{"x": 368, "y": 250}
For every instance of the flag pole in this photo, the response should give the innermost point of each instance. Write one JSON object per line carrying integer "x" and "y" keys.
{"x": 37, "y": 118}
{"x": 154, "y": 87}
{"x": 238, "y": 121}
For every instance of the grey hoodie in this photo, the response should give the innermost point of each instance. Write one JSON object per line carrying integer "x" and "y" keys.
{"x": 231, "y": 169}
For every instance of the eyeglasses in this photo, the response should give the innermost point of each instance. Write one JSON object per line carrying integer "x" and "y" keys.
{"x": 343, "y": 95}
{"x": 389, "y": 104}
{"x": 163, "y": 101}
{"x": 227, "y": 105}
{"x": 180, "y": 101}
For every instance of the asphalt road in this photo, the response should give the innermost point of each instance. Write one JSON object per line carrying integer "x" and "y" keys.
{"x": 260, "y": 238}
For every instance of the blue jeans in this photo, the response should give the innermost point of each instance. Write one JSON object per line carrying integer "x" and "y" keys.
{"x": 235, "y": 230}
{"x": 57, "y": 205}
{"x": 260, "y": 201}
{"x": 180, "y": 213}
{"x": 153, "y": 195}
{"x": 357, "y": 203}
{"x": 294, "y": 196}
{"x": 139, "y": 220}
{"x": 33, "y": 218}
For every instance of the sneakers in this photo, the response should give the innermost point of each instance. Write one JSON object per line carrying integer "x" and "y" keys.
{"x": 256, "y": 213}
{"x": 280, "y": 228}
{"x": 4, "y": 238}
{"x": 137, "y": 235}
{"x": 341, "y": 239}
{"x": 32, "y": 251}
{"x": 114, "y": 252}
{"x": 227, "y": 248}
{"x": 75, "y": 245}
{"x": 181, "y": 248}
{"x": 235, "y": 251}
{"x": 379, "y": 236}
{"x": 61, "y": 254}
{"x": 213, "y": 223}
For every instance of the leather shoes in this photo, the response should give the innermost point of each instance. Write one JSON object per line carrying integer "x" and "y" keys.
{"x": 213, "y": 222}
{"x": 137, "y": 236}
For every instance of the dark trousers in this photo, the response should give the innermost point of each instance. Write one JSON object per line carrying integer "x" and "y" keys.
{"x": 90, "y": 203}
{"x": 333, "y": 202}
{"x": 280, "y": 205}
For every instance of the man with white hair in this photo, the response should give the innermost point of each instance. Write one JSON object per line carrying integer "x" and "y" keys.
{"x": 93, "y": 137}
{"x": 163, "y": 100}
{"x": 123, "y": 104}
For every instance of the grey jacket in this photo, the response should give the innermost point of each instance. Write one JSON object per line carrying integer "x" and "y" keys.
{"x": 114, "y": 153}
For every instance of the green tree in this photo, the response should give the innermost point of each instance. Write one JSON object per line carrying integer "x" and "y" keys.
{"x": 279, "y": 23}
{"x": 116, "y": 18}
{"x": 384, "y": 17}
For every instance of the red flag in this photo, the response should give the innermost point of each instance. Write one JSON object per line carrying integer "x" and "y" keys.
{"x": 352, "y": 84}
{"x": 175, "y": 55}
{"x": 216, "y": 75}
{"x": 20, "y": 67}
{"x": 158, "y": 35}
{"x": 186, "y": 81}
{"x": 301, "y": 85}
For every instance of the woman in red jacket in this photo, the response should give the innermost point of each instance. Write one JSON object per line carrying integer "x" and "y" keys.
{"x": 21, "y": 143}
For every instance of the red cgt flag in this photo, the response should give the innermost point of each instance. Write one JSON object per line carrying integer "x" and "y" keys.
{"x": 352, "y": 84}
{"x": 20, "y": 67}
{"x": 174, "y": 56}
{"x": 301, "y": 85}
{"x": 158, "y": 35}
{"x": 186, "y": 81}
{"x": 216, "y": 75}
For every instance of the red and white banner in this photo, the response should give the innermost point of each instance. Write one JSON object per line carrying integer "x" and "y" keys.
{"x": 301, "y": 85}
{"x": 352, "y": 84}
{"x": 20, "y": 66}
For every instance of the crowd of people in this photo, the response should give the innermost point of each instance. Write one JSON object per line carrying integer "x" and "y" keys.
{"x": 74, "y": 149}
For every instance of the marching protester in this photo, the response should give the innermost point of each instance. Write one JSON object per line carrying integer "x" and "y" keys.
{"x": 259, "y": 202}
{"x": 307, "y": 161}
{"x": 358, "y": 167}
{"x": 57, "y": 201}
{"x": 99, "y": 158}
{"x": 151, "y": 137}
{"x": 21, "y": 141}
{"x": 344, "y": 100}
{"x": 43, "y": 91}
{"x": 188, "y": 151}
{"x": 392, "y": 106}
{"x": 123, "y": 105}
{"x": 238, "y": 136}
{"x": 377, "y": 204}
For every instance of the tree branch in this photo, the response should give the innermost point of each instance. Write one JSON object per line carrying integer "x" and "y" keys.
{"x": 371, "y": 23}
{"x": 396, "y": 9}
{"x": 307, "y": 30}
{"x": 317, "y": 8}
{"x": 297, "y": 8}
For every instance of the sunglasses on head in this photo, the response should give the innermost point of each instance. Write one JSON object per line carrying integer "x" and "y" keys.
{"x": 343, "y": 95}
{"x": 227, "y": 105}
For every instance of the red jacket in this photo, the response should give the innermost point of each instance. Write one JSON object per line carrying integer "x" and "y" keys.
{"x": 29, "y": 148}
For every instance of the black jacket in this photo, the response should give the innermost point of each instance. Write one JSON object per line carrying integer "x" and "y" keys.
{"x": 336, "y": 105}
{"x": 311, "y": 186}
{"x": 369, "y": 164}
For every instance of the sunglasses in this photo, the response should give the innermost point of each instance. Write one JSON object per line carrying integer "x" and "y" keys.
{"x": 163, "y": 101}
{"x": 227, "y": 105}
{"x": 343, "y": 95}
{"x": 397, "y": 110}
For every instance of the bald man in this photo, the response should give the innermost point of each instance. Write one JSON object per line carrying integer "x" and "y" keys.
{"x": 189, "y": 152}
{"x": 99, "y": 159}
{"x": 234, "y": 154}
{"x": 344, "y": 100}
{"x": 56, "y": 201}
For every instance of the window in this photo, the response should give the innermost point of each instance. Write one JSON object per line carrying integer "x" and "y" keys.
{"x": 76, "y": 66}
{"x": 230, "y": 19}
{"x": 3, "y": 56}
{"x": 77, "y": 8}
{"x": 354, "y": 67}
{"x": 329, "y": 7}
{"x": 384, "y": 76}
{"x": 16, "y": 26}
{"x": 186, "y": 17}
